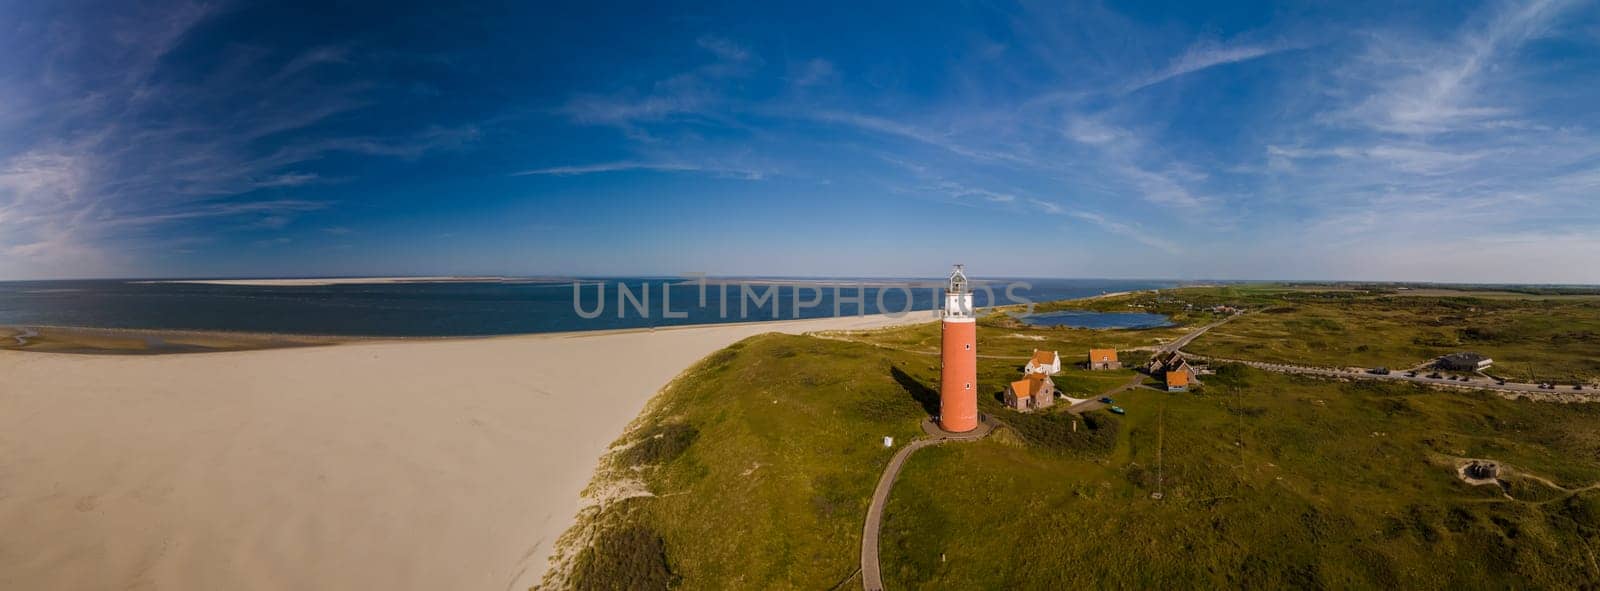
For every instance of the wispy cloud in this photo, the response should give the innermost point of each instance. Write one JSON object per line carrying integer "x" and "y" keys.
{"x": 1140, "y": 235}
{"x": 814, "y": 72}
{"x": 1433, "y": 143}
{"x": 696, "y": 93}
{"x": 1126, "y": 154}
{"x": 114, "y": 144}
{"x": 1436, "y": 133}
{"x": 622, "y": 166}
{"x": 1424, "y": 87}
{"x": 902, "y": 130}
{"x": 1206, "y": 55}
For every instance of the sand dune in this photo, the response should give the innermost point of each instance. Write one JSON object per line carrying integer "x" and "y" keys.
{"x": 451, "y": 464}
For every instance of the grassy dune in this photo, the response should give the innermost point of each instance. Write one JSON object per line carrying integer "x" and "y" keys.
{"x": 1530, "y": 338}
{"x": 760, "y": 462}
{"x": 1288, "y": 483}
{"x": 761, "y": 458}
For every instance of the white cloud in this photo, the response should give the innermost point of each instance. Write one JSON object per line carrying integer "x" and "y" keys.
{"x": 891, "y": 127}
{"x": 620, "y": 166}
{"x": 111, "y": 150}
{"x": 1125, "y": 230}
{"x": 694, "y": 93}
{"x": 1206, "y": 55}
{"x": 1125, "y": 154}
{"x": 1425, "y": 87}
{"x": 815, "y": 72}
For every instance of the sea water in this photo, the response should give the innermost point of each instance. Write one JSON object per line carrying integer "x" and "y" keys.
{"x": 492, "y": 307}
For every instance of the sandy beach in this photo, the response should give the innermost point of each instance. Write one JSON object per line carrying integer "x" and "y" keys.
{"x": 321, "y": 282}
{"x": 441, "y": 464}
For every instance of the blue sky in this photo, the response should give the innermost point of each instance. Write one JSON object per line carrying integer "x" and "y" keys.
{"x": 1448, "y": 141}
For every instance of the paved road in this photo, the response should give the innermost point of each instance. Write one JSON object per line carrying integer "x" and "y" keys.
{"x": 871, "y": 577}
{"x": 1189, "y": 338}
{"x": 1094, "y": 403}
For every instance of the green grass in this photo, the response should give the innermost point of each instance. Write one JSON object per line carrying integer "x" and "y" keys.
{"x": 762, "y": 459}
{"x": 1531, "y": 339}
{"x": 1334, "y": 486}
{"x": 1006, "y": 338}
{"x": 770, "y": 490}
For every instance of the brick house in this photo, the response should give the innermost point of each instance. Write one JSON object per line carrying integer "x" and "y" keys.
{"x": 1035, "y": 391}
{"x": 1178, "y": 380}
{"x": 1100, "y": 359}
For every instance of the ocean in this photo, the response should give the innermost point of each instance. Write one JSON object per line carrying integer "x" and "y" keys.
{"x": 494, "y": 307}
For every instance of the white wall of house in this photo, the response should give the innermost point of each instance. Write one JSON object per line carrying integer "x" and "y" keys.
{"x": 1053, "y": 368}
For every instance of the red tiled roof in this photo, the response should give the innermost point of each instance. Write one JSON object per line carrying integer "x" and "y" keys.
{"x": 1177, "y": 378}
{"x": 1043, "y": 358}
{"x": 1028, "y": 386}
{"x": 1102, "y": 355}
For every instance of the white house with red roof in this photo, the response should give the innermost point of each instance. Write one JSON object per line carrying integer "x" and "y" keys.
{"x": 1045, "y": 362}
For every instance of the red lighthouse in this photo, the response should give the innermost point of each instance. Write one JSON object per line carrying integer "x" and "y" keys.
{"x": 958, "y": 378}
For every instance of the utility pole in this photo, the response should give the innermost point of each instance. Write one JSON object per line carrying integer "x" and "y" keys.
{"x": 1238, "y": 435}
{"x": 1161, "y": 428}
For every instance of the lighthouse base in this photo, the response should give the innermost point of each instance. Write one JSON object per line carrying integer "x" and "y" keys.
{"x": 986, "y": 424}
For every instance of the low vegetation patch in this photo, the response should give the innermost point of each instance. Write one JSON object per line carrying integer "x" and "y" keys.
{"x": 1273, "y": 482}
{"x": 628, "y": 557}
{"x": 1531, "y": 338}
{"x": 1095, "y": 434}
{"x": 660, "y": 444}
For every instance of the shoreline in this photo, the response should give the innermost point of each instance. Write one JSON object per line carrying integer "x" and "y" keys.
{"x": 339, "y": 339}
{"x": 304, "y": 340}
{"x": 405, "y": 464}
{"x": 394, "y": 462}
{"x": 327, "y": 281}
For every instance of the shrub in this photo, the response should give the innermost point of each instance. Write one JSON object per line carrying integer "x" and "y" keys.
{"x": 629, "y": 557}
{"x": 1053, "y": 431}
{"x": 660, "y": 444}
{"x": 1232, "y": 375}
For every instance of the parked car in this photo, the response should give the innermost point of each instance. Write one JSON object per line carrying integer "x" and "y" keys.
{"x": 1578, "y": 387}
{"x": 1379, "y": 371}
{"x": 1411, "y": 374}
{"x": 1434, "y": 376}
{"x": 1118, "y": 410}
{"x": 1499, "y": 382}
{"x": 1105, "y": 399}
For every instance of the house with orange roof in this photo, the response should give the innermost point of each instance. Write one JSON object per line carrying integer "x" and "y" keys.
{"x": 1045, "y": 362}
{"x": 1178, "y": 380}
{"x": 1032, "y": 392}
{"x": 1100, "y": 359}
{"x": 1169, "y": 361}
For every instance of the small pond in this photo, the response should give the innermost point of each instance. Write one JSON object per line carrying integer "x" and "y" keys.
{"x": 1090, "y": 319}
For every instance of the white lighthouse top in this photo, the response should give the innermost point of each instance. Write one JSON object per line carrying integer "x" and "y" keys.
{"x": 958, "y": 280}
{"x": 958, "y": 298}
